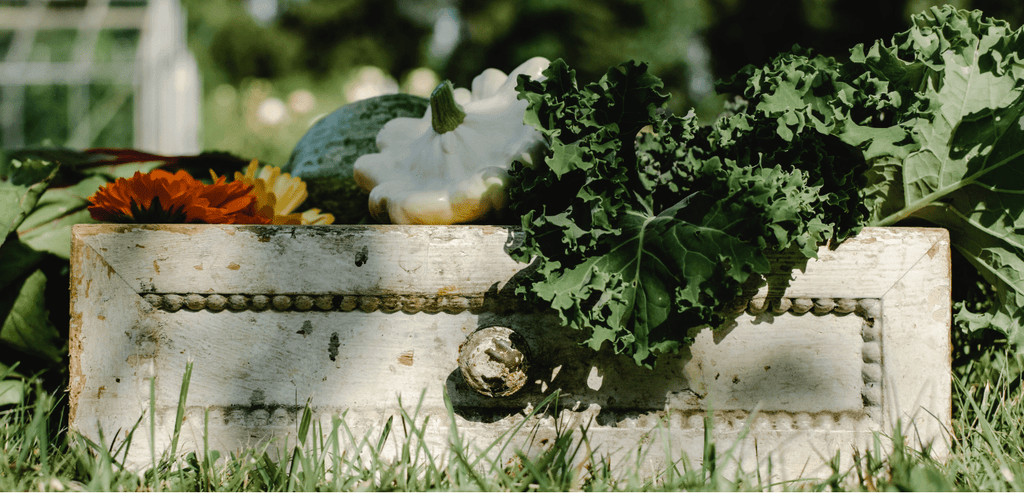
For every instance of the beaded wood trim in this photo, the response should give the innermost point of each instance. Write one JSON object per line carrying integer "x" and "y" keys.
{"x": 266, "y": 416}
{"x": 345, "y": 303}
{"x": 869, "y": 309}
{"x": 458, "y": 304}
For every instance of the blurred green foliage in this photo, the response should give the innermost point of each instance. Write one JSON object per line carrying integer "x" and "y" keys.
{"x": 320, "y": 45}
{"x": 47, "y": 117}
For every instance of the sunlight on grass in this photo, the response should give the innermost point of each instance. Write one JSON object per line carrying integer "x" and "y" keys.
{"x": 38, "y": 453}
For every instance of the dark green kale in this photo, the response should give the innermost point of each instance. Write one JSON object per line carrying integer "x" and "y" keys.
{"x": 641, "y": 236}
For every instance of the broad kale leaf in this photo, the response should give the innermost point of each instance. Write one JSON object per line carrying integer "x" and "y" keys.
{"x": 985, "y": 214}
{"x": 965, "y": 171}
{"x": 638, "y": 239}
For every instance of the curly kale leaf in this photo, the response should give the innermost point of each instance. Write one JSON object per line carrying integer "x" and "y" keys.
{"x": 638, "y": 239}
{"x": 630, "y": 233}
{"x": 797, "y": 102}
{"x": 577, "y": 198}
{"x": 936, "y": 113}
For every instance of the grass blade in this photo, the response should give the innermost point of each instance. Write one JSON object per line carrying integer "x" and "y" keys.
{"x": 180, "y": 416}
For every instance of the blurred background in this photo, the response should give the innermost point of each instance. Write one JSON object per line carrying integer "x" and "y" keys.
{"x": 250, "y": 76}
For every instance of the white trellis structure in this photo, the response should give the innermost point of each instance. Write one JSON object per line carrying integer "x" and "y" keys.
{"x": 161, "y": 80}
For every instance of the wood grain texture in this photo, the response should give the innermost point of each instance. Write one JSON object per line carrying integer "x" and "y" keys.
{"x": 860, "y": 339}
{"x": 368, "y": 260}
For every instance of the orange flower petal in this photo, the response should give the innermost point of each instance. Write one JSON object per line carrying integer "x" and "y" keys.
{"x": 182, "y": 198}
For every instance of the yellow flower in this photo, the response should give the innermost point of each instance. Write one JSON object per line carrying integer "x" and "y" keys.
{"x": 278, "y": 195}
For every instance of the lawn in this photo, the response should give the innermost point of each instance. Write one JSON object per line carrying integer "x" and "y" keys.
{"x": 39, "y": 453}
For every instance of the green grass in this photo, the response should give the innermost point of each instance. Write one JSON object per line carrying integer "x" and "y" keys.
{"x": 38, "y": 453}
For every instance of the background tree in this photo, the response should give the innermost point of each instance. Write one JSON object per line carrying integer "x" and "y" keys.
{"x": 320, "y": 46}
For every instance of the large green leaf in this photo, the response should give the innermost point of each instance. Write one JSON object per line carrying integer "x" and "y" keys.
{"x": 985, "y": 214}
{"x": 967, "y": 175}
{"x": 664, "y": 274}
{"x": 48, "y": 227}
{"x": 12, "y": 392}
{"x": 660, "y": 265}
{"x": 951, "y": 64}
{"x": 21, "y": 184}
{"x": 933, "y": 171}
{"x": 13, "y": 387}
{"x": 16, "y": 260}
{"x": 26, "y": 326}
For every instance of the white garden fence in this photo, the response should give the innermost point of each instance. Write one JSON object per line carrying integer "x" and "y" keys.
{"x": 97, "y": 66}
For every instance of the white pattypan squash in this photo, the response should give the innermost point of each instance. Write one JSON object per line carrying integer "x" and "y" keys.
{"x": 451, "y": 166}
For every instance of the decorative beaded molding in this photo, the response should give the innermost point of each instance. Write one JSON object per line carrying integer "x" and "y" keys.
{"x": 871, "y": 353}
{"x": 867, "y": 308}
{"x": 732, "y": 421}
{"x": 286, "y": 417}
{"x": 459, "y": 304}
{"x": 452, "y": 304}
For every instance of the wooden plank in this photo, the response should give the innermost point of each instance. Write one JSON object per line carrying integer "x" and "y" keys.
{"x": 108, "y": 362}
{"x": 372, "y": 260}
{"x": 357, "y": 319}
{"x": 865, "y": 266}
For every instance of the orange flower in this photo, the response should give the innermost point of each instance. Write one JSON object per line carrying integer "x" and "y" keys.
{"x": 231, "y": 203}
{"x": 278, "y": 195}
{"x": 162, "y": 197}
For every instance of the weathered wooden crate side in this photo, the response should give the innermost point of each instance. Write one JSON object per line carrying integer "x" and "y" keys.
{"x": 352, "y": 319}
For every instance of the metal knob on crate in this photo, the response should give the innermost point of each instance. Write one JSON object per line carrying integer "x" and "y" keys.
{"x": 494, "y": 361}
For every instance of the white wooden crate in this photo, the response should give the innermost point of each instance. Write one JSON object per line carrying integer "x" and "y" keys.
{"x": 354, "y": 318}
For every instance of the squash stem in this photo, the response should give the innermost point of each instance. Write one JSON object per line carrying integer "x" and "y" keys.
{"x": 445, "y": 113}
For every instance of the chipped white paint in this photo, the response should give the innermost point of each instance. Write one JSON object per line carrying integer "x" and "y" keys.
{"x": 856, "y": 341}
{"x": 595, "y": 379}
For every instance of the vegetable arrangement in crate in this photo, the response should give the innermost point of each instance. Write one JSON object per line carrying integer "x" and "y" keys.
{"x": 643, "y": 225}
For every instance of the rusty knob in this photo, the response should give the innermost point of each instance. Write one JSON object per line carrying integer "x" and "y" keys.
{"x": 494, "y": 361}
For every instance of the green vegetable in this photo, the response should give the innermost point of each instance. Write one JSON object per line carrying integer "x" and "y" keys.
{"x": 324, "y": 156}
{"x": 964, "y": 159}
{"x": 639, "y": 239}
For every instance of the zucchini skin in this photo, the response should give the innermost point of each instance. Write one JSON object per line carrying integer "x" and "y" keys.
{"x": 324, "y": 156}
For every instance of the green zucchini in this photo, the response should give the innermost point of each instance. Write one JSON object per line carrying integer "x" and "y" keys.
{"x": 324, "y": 156}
